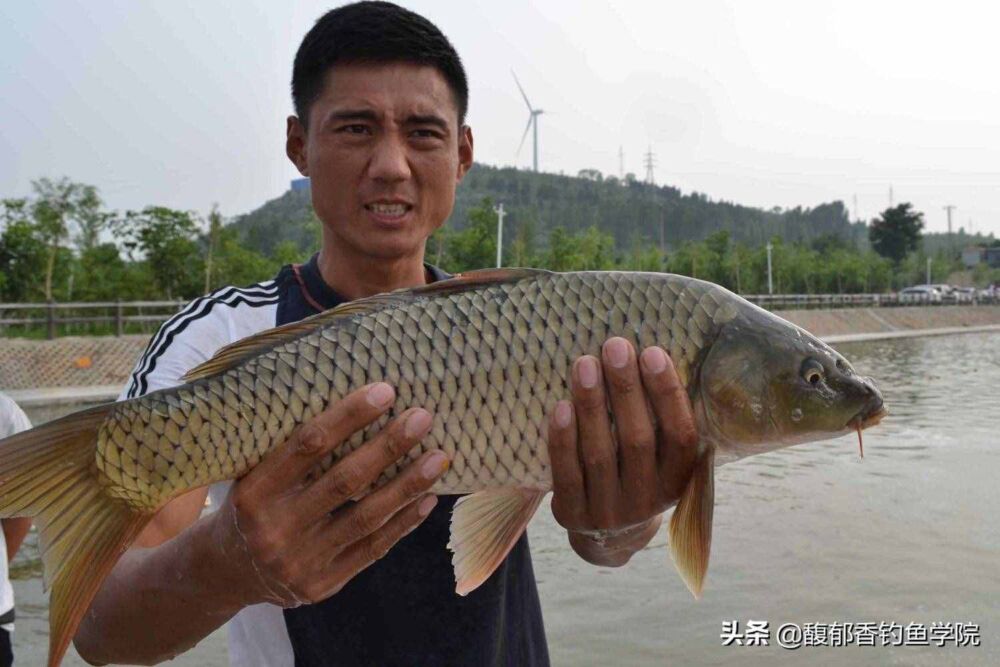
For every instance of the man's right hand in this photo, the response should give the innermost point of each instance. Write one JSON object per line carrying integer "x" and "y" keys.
{"x": 290, "y": 539}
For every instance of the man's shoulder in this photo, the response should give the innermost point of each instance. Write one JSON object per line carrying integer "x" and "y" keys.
{"x": 231, "y": 307}
{"x": 201, "y": 327}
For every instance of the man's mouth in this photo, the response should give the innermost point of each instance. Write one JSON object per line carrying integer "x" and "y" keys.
{"x": 388, "y": 210}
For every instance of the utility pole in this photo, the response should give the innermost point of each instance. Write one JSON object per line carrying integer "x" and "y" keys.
{"x": 928, "y": 271}
{"x": 856, "y": 216}
{"x": 949, "y": 208}
{"x": 663, "y": 246}
{"x": 890, "y": 196}
{"x": 650, "y": 163}
{"x": 621, "y": 163}
{"x": 500, "y": 213}
{"x": 951, "y": 239}
{"x": 770, "y": 285}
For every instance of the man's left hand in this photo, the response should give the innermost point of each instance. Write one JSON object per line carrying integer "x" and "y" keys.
{"x": 615, "y": 474}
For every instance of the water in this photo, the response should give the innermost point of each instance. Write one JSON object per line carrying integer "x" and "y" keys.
{"x": 808, "y": 534}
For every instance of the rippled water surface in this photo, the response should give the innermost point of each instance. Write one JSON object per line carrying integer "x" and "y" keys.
{"x": 808, "y": 534}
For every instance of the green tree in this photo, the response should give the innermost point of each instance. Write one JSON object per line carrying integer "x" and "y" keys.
{"x": 286, "y": 252}
{"x": 475, "y": 246}
{"x": 236, "y": 264}
{"x": 522, "y": 250}
{"x": 57, "y": 204}
{"x": 212, "y": 241}
{"x": 896, "y": 232}
{"x": 105, "y": 276}
{"x": 595, "y": 250}
{"x": 562, "y": 253}
{"x": 165, "y": 239}
{"x": 23, "y": 254}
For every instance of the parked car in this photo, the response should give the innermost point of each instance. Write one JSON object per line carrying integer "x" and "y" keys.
{"x": 920, "y": 294}
{"x": 964, "y": 294}
{"x": 947, "y": 292}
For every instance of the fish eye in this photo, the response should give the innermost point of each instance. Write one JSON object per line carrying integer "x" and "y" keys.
{"x": 812, "y": 371}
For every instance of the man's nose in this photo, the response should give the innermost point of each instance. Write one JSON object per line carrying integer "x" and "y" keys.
{"x": 389, "y": 161}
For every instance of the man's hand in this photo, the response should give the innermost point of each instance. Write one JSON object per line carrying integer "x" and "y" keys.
{"x": 614, "y": 479}
{"x": 296, "y": 541}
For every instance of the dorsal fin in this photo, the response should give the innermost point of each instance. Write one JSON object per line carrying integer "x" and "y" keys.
{"x": 233, "y": 354}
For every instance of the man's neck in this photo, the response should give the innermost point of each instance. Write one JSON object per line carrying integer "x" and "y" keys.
{"x": 355, "y": 278}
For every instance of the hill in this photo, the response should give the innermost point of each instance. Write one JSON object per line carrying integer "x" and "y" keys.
{"x": 631, "y": 211}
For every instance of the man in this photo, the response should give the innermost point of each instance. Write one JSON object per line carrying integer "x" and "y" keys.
{"x": 12, "y": 420}
{"x": 380, "y": 98}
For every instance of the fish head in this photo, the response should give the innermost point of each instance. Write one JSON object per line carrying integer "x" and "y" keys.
{"x": 766, "y": 383}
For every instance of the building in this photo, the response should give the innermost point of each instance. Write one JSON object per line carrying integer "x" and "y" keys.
{"x": 300, "y": 185}
{"x": 974, "y": 255}
{"x": 971, "y": 256}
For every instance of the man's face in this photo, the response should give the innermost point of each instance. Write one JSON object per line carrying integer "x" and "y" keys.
{"x": 384, "y": 154}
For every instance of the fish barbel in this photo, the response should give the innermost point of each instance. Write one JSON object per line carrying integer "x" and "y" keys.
{"x": 488, "y": 354}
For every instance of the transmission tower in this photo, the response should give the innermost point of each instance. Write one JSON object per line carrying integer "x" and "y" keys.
{"x": 650, "y": 161}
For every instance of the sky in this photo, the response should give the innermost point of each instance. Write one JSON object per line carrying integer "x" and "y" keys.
{"x": 764, "y": 103}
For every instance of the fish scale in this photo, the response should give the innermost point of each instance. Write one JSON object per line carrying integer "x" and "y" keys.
{"x": 489, "y": 365}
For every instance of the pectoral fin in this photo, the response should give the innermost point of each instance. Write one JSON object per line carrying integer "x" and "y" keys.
{"x": 484, "y": 528}
{"x": 691, "y": 524}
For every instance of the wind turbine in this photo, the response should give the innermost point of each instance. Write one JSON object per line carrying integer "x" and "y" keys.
{"x": 533, "y": 115}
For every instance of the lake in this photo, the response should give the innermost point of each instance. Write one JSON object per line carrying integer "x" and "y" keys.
{"x": 807, "y": 535}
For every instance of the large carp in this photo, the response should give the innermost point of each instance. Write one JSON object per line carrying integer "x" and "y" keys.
{"x": 488, "y": 353}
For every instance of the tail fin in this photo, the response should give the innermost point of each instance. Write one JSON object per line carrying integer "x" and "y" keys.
{"x": 691, "y": 524}
{"x": 50, "y": 473}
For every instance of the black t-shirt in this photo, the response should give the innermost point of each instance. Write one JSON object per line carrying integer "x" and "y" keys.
{"x": 403, "y": 610}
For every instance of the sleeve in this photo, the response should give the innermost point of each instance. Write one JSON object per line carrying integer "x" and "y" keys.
{"x": 184, "y": 341}
{"x": 198, "y": 331}
{"x": 12, "y": 417}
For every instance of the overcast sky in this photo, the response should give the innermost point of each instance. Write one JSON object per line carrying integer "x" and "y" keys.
{"x": 763, "y": 103}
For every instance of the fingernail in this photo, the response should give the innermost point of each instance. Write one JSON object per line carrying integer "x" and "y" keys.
{"x": 587, "y": 372}
{"x": 380, "y": 395}
{"x": 616, "y": 352}
{"x": 435, "y": 464}
{"x": 417, "y": 423}
{"x": 654, "y": 359}
{"x": 562, "y": 414}
{"x": 426, "y": 505}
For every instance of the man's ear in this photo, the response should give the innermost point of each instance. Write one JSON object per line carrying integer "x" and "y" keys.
{"x": 295, "y": 145}
{"x": 464, "y": 152}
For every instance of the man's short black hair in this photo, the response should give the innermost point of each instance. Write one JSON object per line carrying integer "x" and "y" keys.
{"x": 373, "y": 32}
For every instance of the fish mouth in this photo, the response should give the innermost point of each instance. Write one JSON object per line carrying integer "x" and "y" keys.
{"x": 869, "y": 416}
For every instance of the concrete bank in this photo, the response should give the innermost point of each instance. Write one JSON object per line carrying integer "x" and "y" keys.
{"x": 50, "y": 378}
{"x": 893, "y": 322}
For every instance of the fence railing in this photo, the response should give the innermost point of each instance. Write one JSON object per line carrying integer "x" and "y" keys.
{"x": 121, "y": 317}
{"x": 105, "y": 317}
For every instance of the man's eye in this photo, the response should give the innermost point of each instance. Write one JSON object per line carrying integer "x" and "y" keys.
{"x": 354, "y": 129}
{"x": 426, "y": 134}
